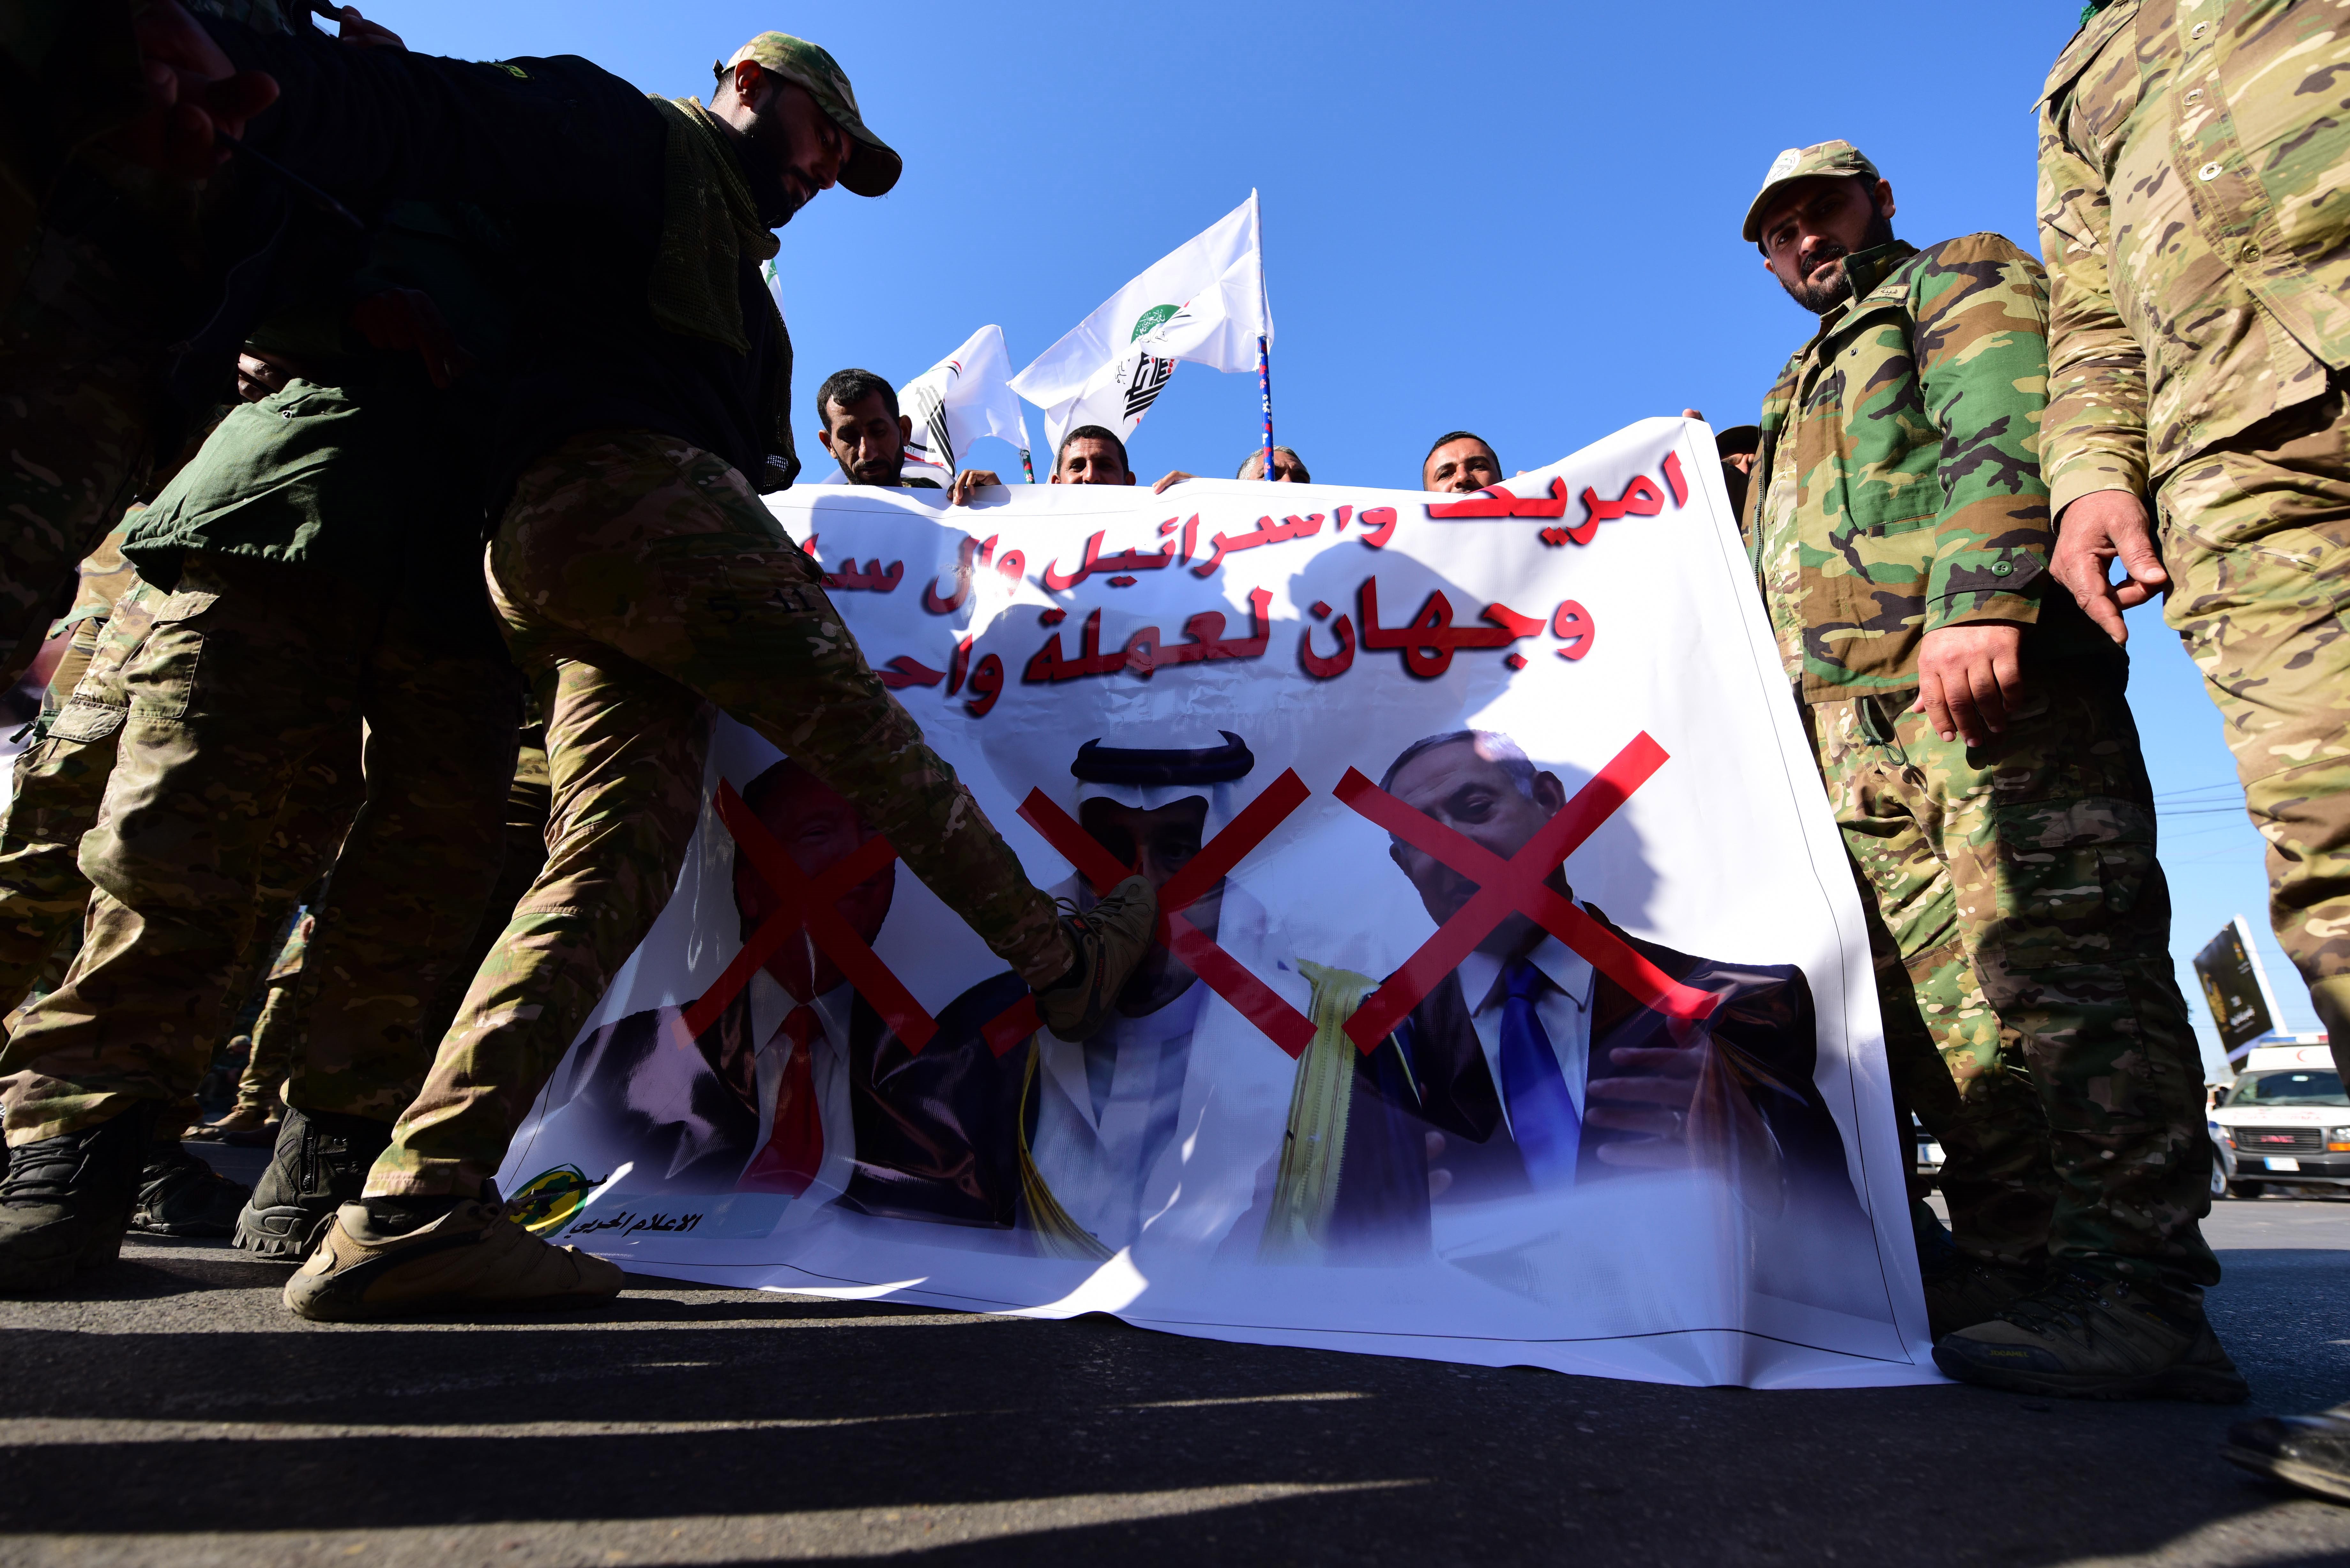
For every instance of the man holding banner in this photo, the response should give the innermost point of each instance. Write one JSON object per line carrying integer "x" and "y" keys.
{"x": 868, "y": 437}
{"x": 2003, "y": 832}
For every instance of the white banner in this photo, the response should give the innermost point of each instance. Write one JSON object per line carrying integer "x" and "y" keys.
{"x": 1203, "y": 302}
{"x": 1515, "y": 1005}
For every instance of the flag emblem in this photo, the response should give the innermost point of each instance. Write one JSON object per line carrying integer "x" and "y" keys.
{"x": 1151, "y": 320}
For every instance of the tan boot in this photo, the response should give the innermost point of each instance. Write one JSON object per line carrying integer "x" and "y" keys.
{"x": 472, "y": 1256}
{"x": 1111, "y": 939}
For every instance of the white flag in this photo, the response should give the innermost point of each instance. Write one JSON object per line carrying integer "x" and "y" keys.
{"x": 1205, "y": 303}
{"x": 964, "y": 396}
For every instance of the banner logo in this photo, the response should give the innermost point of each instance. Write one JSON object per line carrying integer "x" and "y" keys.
{"x": 929, "y": 412}
{"x": 1150, "y": 378}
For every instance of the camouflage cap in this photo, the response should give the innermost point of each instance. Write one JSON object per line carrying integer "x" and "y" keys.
{"x": 1801, "y": 163}
{"x": 873, "y": 165}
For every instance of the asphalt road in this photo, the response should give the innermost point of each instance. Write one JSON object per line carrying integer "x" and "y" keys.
{"x": 168, "y": 1411}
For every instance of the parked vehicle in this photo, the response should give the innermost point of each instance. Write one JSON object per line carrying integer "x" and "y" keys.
{"x": 2285, "y": 1122}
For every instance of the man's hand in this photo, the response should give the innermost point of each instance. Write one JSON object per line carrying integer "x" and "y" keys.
{"x": 2101, "y": 527}
{"x": 361, "y": 33}
{"x": 194, "y": 96}
{"x": 258, "y": 375}
{"x": 1174, "y": 477}
{"x": 1968, "y": 678}
{"x": 1439, "y": 1178}
{"x": 406, "y": 319}
{"x": 1655, "y": 1104}
{"x": 969, "y": 482}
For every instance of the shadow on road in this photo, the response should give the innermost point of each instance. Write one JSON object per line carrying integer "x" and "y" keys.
{"x": 168, "y": 1412}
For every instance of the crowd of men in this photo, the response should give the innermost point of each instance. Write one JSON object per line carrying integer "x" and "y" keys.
{"x": 272, "y": 338}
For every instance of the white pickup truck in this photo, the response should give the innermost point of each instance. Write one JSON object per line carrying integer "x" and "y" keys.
{"x": 2286, "y": 1122}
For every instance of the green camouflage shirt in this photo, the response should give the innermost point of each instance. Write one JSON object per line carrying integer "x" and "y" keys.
{"x": 2192, "y": 160}
{"x": 1906, "y": 433}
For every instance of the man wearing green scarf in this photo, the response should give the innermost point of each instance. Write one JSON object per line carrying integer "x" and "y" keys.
{"x": 636, "y": 544}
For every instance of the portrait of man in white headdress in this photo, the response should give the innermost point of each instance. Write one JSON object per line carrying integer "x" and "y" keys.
{"x": 1103, "y": 1120}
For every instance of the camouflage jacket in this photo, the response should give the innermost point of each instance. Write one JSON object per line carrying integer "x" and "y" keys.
{"x": 1912, "y": 500}
{"x": 2191, "y": 164}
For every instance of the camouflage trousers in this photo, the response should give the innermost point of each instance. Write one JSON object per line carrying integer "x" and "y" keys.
{"x": 642, "y": 584}
{"x": 2023, "y": 929}
{"x": 253, "y": 672}
{"x": 529, "y": 799}
{"x": 74, "y": 433}
{"x": 42, "y": 893}
{"x": 2256, "y": 537}
{"x": 261, "y": 1087}
{"x": 60, "y": 783}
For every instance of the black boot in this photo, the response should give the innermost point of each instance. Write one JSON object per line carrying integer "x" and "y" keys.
{"x": 180, "y": 1195}
{"x": 67, "y": 1200}
{"x": 321, "y": 1163}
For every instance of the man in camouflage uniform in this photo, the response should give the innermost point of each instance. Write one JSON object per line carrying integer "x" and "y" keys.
{"x": 639, "y": 578}
{"x": 648, "y": 547}
{"x": 321, "y": 551}
{"x": 2191, "y": 157}
{"x": 61, "y": 780}
{"x": 1982, "y": 764}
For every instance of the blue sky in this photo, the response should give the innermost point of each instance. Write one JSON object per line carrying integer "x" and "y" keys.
{"x": 1517, "y": 219}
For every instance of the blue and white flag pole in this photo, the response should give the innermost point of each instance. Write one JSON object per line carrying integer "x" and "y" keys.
{"x": 1265, "y": 390}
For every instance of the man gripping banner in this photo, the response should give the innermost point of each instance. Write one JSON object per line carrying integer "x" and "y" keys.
{"x": 1511, "y": 1003}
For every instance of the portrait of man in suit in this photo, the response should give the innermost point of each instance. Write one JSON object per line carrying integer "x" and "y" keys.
{"x": 1102, "y": 1117}
{"x": 1526, "y": 1070}
{"x": 798, "y": 1086}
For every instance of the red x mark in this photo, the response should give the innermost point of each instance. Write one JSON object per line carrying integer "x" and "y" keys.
{"x": 1226, "y": 975}
{"x": 1515, "y": 885}
{"x": 810, "y": 905}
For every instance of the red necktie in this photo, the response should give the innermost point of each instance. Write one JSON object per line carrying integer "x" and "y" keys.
{"x": 795, "y": 1150}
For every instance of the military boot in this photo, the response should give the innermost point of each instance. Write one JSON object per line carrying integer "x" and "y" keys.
{"x": 1970, "y": 1291}
{"x": 2312, "y": 1452}
{"x": 67, "y": 1200}
{"x": 2084, "y": 1336}
{"x": 180, "y": 1195}
{"x": 1111, "y": 939}
{"x": 395, "y": 1258}
{"x": 320, "y": 1164}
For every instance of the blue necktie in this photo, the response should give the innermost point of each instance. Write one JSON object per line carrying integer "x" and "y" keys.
{"x": 1542, "y": 1112}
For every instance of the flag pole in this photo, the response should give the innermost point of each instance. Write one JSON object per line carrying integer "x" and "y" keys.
{"x": 1265, "y": 390}
{"x": 1263, "y": 340}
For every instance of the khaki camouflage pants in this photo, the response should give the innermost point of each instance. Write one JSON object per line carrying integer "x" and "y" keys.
{"x": 60, "y": 783}
{"x": 2018, "y": 885}
{"x": 528, "y": 801}
{"x": 74, "y": 433}
{"x": 261, "y": 1087}
{"x": 54, "y": 800}
{"x": 642, "y": 584}
{"x": 2256, "y": 537}
{"x": 254, "y": 673}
